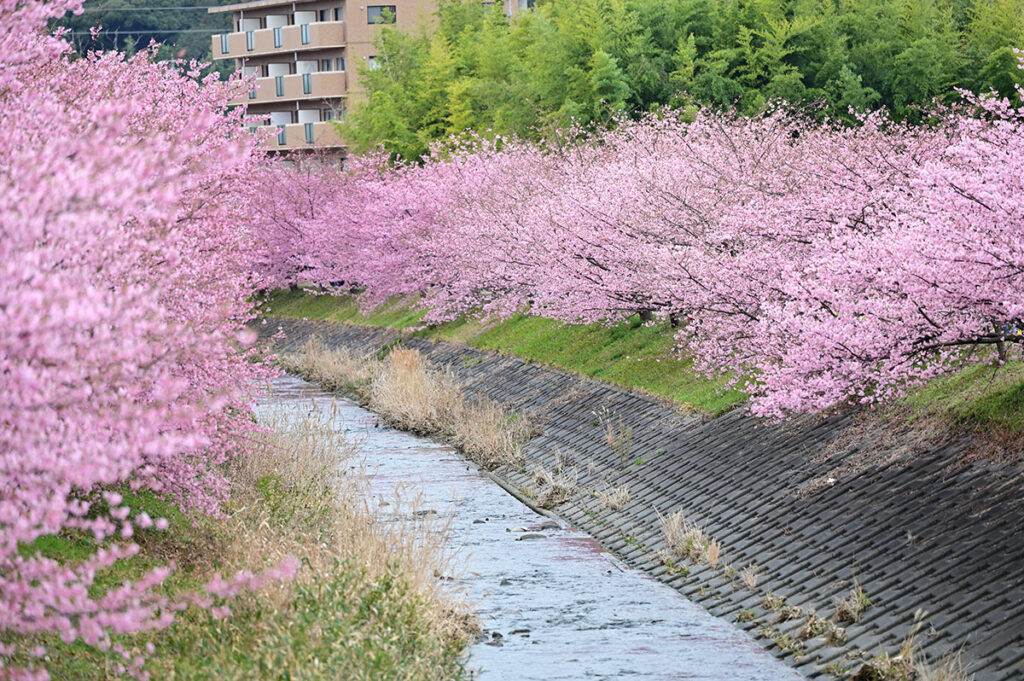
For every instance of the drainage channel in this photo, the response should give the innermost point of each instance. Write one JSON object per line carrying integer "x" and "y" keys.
{"x": 552, "y": 602}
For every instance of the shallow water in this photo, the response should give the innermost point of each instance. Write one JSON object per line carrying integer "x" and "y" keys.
{"x": 553, "y": 603}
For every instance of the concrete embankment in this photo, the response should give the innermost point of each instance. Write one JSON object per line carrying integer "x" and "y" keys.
{"x": 818, "y": 506}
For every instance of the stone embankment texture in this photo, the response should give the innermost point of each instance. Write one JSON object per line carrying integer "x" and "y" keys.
{"x": 916, "y": 531}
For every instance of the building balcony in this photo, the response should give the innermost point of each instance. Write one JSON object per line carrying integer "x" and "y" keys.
{"x": 319, "y": 135}
{"x": 297, "y": 86}
{"x": 268, "y": 41}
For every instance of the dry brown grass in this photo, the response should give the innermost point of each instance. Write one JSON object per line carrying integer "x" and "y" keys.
{"x": 851, "y": 607}
{"x": 749, "y": 577}
{"x": 910, "y": 663}
{"x": 617, "y": 435}
{"x": 306, "y": 496}
{"x": 814, "y": 626}
{"x": 714, "y": 551}
{"x": 687, "y": 539}
{"x": 556, "y": 485}
{"x": 411, "y": 395}
{"x": 489, "y": 435}
{"x": 614, "y": 498}
{"x": 334, "y": 369}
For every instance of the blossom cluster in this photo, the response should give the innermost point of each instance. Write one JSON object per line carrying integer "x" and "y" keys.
{"x": 814, "y": 263}
{"x": 126, "y": 260}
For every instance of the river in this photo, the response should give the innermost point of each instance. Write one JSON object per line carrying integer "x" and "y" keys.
{"x": 552, "y": 602}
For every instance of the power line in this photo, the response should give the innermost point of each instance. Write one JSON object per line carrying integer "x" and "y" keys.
{"x": 142, "y": 9}
{"x": 110, "y": 32}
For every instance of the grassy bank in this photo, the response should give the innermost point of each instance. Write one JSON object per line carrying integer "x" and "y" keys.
{"x": 366, "y": 603}
{"x": 641, "y": 357}
{"x": 629, "y": 354}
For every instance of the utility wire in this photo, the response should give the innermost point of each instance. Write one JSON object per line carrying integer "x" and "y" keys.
{"x": 111, "y": 32}
{"x": 143, "y": 9}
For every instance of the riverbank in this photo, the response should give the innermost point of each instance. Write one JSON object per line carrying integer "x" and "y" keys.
{"x": 641, "y": 357}
{"x": 808, "y": 529}
{"x": 365, "y": 597}
{"x": 631, "y": 354}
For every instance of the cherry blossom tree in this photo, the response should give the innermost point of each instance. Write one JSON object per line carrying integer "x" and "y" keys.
{"x": 126, "y": 267}
{"x": 816, "y": 263}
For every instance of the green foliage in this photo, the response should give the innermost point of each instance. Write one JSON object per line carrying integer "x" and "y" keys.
{"x": 127, "y": 26}
{"x": 339, "y": 626}
{"x": 584, "y": 61}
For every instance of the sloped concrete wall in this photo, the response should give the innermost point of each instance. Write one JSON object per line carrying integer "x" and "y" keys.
{"x": 918, "y": 533}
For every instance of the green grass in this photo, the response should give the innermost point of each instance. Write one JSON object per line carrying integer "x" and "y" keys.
{"x": 980, "y": 396}
{"x": 629, "y": 354}
{"x": 343, "y": 626}
{"x": 641, "y": 356}
{"x": 181, "y": 538}
{"x": 339, "y": 623}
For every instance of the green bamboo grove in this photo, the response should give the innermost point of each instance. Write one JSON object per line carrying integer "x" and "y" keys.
{"x": 588, "y": 60}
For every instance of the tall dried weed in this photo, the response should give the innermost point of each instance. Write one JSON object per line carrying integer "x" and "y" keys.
{"x": 411, "y": 395}
{"x": 614, "y": 498}
{"x": 686, "y": 539}
{"x": 306, "y": 495}
{"x": 333, "y": 368}
{"x": 910, "y": 662}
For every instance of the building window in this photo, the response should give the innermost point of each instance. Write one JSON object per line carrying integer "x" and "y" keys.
{"x": 372, "y": 63}
{"x": 282, "y": 136}
{"x": 526, "y": 4}
{"x": 279, "y": 85}
{"x": 325, "y": 64}
{"x": 250, "y": 41}
{"x": 339, "y": 64}
{"x": 252, "y": 92}
{"x": 278, "y": 41}
{"x": 328, "y": 115}
{"x": 339, "y": 14}
{"x": 324, "y": 13}
{"x": 309, "y": 132}
{"x": 304, "y": 30}
{"x": 225, "y": 46}
{"x": 380, "y": 14}
{"x": 307, "y": 83}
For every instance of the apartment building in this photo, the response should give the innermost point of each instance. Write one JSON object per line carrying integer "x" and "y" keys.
{"x": 305, "y": 56}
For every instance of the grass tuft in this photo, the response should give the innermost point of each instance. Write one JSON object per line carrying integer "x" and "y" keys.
{"x": 851, "y": 607}
{"x": 686, "y": 539}
{"x": 555, "y": 486}
{"x": 614, "y": 498}
{"x": 911, "y": 664}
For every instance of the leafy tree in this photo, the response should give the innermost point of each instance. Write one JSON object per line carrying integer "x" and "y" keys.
{"x": 183, "y": 33}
